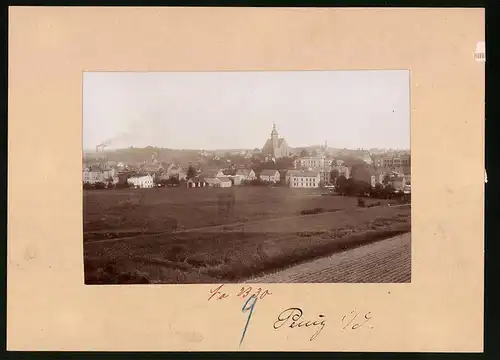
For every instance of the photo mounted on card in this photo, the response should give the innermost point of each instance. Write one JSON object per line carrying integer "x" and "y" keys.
{"x": 191, "y": 182}
{"x": 270, "y": 179}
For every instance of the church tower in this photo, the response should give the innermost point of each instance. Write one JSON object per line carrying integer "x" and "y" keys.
{"x": 276, "y": 146}
{"x": 274, "y": 136}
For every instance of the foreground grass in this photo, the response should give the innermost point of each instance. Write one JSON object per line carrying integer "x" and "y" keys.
{"x": 232, "y": 256}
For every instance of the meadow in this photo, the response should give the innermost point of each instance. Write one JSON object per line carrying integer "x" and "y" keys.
{"x": 129, "y": 237}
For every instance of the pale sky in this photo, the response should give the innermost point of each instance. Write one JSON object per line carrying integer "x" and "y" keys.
{"x": 232, "y": 110}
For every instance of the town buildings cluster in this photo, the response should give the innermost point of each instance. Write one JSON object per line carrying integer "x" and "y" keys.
{"x": 308, "y": 171}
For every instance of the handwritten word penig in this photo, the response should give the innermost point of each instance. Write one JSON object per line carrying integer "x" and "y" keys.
{"x": 293, "y": 318}
{"x": 218, "y": 293}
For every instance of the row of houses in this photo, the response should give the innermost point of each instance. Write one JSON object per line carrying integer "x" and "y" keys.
{"x": 393, "y": 159}
{"x": 302, "y": 176}
{"x": 95, "y": 173}
{"x": 399, "y": 178}
{"x": 216, "y": 178}
{"x": 211, "y": 178}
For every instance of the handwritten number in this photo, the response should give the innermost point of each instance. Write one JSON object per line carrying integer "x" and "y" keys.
{"x": 266, "y": 292}
{"x": 247, "y": 292}
{"x": 246, "y": 307}
{"x": 241, "y": 291}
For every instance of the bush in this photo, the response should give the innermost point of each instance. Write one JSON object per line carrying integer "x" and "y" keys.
{"x": 351, "y": 187}
{"x": 255, "y": 182}
{"x": 123, "y": 185}
{"x": 172, "y": 180}
{"x": 87, "y": 185}
{"x": 312, "y": 211}
{"x": 109, "y": 273}
{"x": 100, "y": 185}
{"x": 361, "y": 202}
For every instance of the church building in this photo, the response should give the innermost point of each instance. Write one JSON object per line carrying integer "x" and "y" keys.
{"x": 276, "y": 146}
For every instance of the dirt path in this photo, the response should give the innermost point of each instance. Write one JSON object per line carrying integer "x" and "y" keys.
{"x": 386, "y": 261}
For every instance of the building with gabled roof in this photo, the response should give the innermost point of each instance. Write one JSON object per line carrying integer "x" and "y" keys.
{"x": 270, "y": 175}
{"x": 246, "y": 174}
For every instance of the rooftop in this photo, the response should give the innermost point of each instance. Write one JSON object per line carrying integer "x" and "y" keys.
{"x": 269, "y": 172}
{"x": 224, "y": 179}
{"x": 306, "y": 174}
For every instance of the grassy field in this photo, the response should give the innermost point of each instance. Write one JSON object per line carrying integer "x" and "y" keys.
{"x": 264, "y": 232}
{"x": 122, "y": 212}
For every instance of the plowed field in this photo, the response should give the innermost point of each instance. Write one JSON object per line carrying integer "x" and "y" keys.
{"x": 386, "y": 261}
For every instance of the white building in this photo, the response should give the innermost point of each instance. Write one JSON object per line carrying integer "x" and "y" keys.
{"x": 270, "y": 175}
{"x": 235, "y": 179}
{"x": 225, "y": 181}
{"x": 245, "y": 174}
{"x": 289, "y": 174}
{"x": 220, "y": 181}
{"x": 305, "y": 179}
{"x": 324, "y": 173}
{"x": 143, "y": 182}
{"x": 196, "y": 183}
{"x": 94, "y": 174}
{"x": 311, "y": 162}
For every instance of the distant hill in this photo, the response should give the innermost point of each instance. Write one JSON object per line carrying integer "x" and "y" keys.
{"x": 138, "y": 155}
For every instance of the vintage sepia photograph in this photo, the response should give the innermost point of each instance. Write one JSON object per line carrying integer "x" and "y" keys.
{"x": 246, "y": 177}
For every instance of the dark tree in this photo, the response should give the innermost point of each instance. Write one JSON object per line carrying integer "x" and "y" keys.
{"x": 341, "y": 180}
{"x": 334, "y": 174}
{"x": 191, "y": 172}
{"x": 87, "y": 185}
{"x": 110, "y": 184}
{"x": 304, "y": 153}
{"x": 174, "y": 180}
{"x": 100, "y": 185}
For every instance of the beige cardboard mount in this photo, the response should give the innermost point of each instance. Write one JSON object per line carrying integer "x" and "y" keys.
{"x": 49, "y": 307}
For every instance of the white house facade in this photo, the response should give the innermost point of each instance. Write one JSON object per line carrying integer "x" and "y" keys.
{"x": 270, "y": 175}
{"x": 225, "y": 181}
{"x": 289, "y": 174}
{"x": 92, "y": 176}
{"x": 142, "y": 182}
{"x": 309, "y": 162}
{"x": 245, "y": 174}
{"x": 305, "y": 179}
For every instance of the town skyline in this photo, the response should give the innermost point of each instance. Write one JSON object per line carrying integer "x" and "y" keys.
{"x": 181, "y": 111}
